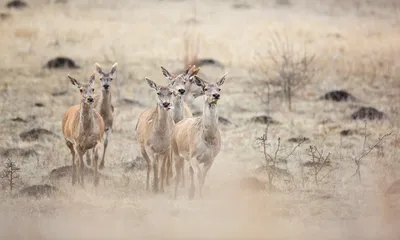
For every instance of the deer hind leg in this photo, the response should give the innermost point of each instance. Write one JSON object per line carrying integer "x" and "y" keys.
{"x": 71, "y": 148}
{"x": 107, "y": 134}
{"x": 79, "y": 167}
{"x": 178, "y": 169}
{"x": 88, "y": 158}
{"x": 182, "y": 169}
{"x": 169, "y": 168}
{"x": 148, "y": 166}
{"x": 206, "y": 167}
{"x": 95, "y": 165}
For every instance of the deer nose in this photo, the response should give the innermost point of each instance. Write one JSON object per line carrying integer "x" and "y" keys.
{"x": 165, "y": 104}
{"x": 216, "y": 95}
{"x": 90, "y": 99}
{"x": 181, "y": 91}
{"x": 106, "y": 86}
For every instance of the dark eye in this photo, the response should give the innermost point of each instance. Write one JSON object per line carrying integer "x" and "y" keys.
{"x": 101, "y": 79}
{"x": 158, "y": 93}
{"x": 170, "y": 93}
{"x": 80, "y": 90}
{"x": 93, "y": 90}
{"x": 205, "y": 89}
{"x": 219, "y": 89}
{"x": 111, "y": 79}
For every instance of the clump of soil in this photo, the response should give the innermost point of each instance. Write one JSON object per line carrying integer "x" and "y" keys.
{"x": 35, "y": 133}
{"x": 61, "y": 62}
{"x": 369, "y": 113}
{"x": 338, "y": 96}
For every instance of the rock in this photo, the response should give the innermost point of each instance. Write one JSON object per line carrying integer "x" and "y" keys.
{"x": 18, "y": 119}
{"x": 66, "y": 171}
{"x": 338, "y": 96}
{"x": 35, "y": 133}
{"x": 346, "y": 132}
{"x": 38, "y": 104}
{"x": 369, "y": 113}
{"x": 61, "y": 62}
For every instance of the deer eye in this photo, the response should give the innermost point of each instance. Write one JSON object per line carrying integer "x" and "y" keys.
{"x": 111, "y": 79}
{"x": 80, "y": 90}
{"x": 158, "y": 93}
{"x": 219, "y": 89}
{"x": 205, "y": 89}
{"x": 93, "y": 90}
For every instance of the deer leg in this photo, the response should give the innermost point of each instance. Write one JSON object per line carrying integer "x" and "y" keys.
{"x": 148, "y": 162}
{"x": 169, "y": 167}
{"x": 71, "y": 148}
{"x": 155, "y": 172}
{"x": 195, "y": 175}
{"x": 95, "y": 165}
{"x": 178, "y": 165}
{"x": 164, "y": 171}
{"x": 107, "y": 133}
{"x": 88, "y": 158}
{"x": 182, "y": 169}
{"x": 206, "y": 167}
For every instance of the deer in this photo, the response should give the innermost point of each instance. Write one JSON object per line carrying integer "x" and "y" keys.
{"x": 153, "y": 132}
{"x": 181, "y": 110}
{"x": 104, "y": 107}
{"x": 83, "y": 129}
{"x": 198, "y": 140}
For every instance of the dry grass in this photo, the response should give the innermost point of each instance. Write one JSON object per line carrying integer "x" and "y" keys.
{"x": 356, "y": 45}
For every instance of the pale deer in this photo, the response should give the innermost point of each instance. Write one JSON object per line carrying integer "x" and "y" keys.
{"x": 181, "y": 110}
{"x": 198, "y": 139}
{"x": 153, "y": 132}
{"x": 104, "y": 107}
{"x": 83, "y": 129}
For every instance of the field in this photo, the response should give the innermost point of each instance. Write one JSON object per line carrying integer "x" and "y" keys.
{"x": 355, "y": 43}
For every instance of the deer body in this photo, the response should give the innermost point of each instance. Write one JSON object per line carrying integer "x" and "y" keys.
{"x": 105, "y": 108}
{"x": 83, "y": 129}
{"x": 198, "y": 140}
{"x": 153, "y": 131}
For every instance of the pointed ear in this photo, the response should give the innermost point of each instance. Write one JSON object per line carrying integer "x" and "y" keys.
{"x": 151, "y": 83}
{"x": 188, "y": 69}
{"x": 222, "y": 80}
{"x": 74, "y": 81}
{"x": 91, "y": 79}
{"x": 193, "y": 71}
{"x": 166, "y": 73}
{"x": 114, "y": 68}
{"x": 98, "y": 69}
{"x": 199, "y": 82}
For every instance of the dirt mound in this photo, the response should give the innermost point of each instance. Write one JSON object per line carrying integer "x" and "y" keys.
{"x": 35, "y": 133}
{"x": 20, "y": 152}
{"x": 369, "y": 113}
{"x": 263, "y": 119}
{"x": 61, "y": 62}
{"x": 66, "y": 171}
{"x": 38, "y": 191}
{"x": 298, "y": 139}
{"x": 338, "y": 96}
{"x": 17, "y": 4}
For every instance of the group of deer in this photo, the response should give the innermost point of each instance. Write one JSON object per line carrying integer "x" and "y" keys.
{"x": 167, "y": 134}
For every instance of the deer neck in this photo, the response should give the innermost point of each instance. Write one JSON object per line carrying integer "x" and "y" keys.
{"x": 161, "y": 124}
{"x": 105, "y": 104}
{"x": 86, "y": 118}
{"x": 178, "y": 109}
{"x": 210, "y": 120}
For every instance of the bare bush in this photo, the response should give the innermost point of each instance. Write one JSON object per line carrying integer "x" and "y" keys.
{"x": 366, "y": 150}
{"x": 318, "y": 162}
{"x": 285, "y": 68}
{"x": 10, "y": 173}
{"x": 273, "y": 158}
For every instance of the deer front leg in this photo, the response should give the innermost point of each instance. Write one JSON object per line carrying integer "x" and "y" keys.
{"x": 107, "y": 133}
{"x": 71, "y": 148}
{"x": 95, "y": 165}
{"x": 155, "y": 159}
{"x": 164, "y": 174}
{"x": 178, "y": 165}
{"x": 88, "y": 158}
{"x": 148, "y": 166}
{"x": 79, "y": 166}
{"x": 206, "y": 167}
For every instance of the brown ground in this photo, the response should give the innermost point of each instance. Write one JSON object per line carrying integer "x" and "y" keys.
{"x": 356, "y": 44}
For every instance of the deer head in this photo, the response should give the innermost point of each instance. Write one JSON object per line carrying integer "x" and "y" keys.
{"x": 211, "y": 91}
{"x": 106, "y": 78}
{"x": 86, "y": 90}
{"x": 164, "y": 95}
{"x": 179, "y": 84}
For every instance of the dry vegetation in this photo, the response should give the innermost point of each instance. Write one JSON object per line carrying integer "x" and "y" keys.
{"x": 318, "y": 196}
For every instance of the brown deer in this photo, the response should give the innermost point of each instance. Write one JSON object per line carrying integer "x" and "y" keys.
{"x": 181, "y": 110}
{"x": 153, "y": 132}
{"x": 104, "y": 107}
{"x": 198, "y": 139}
{"x": 83, "y": 129}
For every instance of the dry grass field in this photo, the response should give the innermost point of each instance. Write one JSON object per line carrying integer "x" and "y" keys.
{"x": 355, "y": 43}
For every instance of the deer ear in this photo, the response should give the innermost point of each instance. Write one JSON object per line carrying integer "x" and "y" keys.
{"x": 151, "y": 83}
{"x": 91, "y": 79}
{"x": 74, "y": 81}
{"x": 114, "y": 68}
{"x": 199, "y": 82}
{"x": 166, "y": 73}
{"x": 222, "y": 80}
{"x": 193, "y": 71}
{"x": 98, "y": 69}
